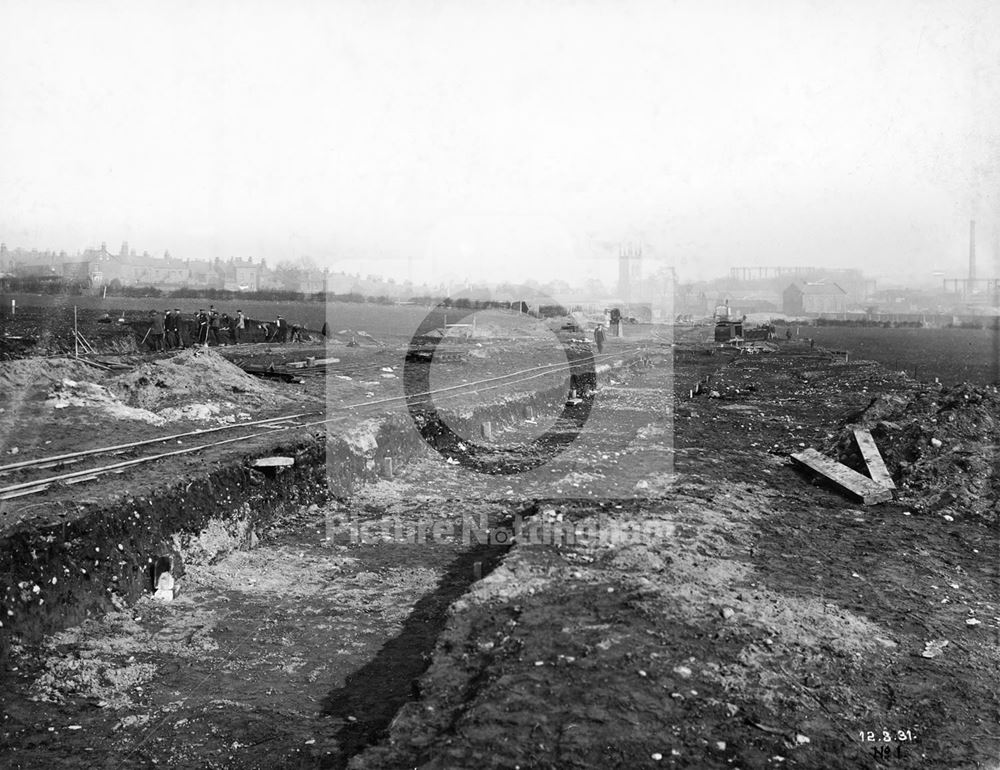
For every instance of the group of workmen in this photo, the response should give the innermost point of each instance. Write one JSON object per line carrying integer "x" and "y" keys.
{"x": 171, "y": 330}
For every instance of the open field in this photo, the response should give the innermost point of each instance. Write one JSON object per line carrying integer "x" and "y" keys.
{"x": 375, "y": 319}
{"x": 951, "y": 355}
{"x": 45, "y": 323}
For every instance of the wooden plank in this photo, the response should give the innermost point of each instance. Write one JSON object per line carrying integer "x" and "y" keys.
{"x": 273, "y": 462}
{"x": 873, "y": 458}
{"x": 849, "y": 481}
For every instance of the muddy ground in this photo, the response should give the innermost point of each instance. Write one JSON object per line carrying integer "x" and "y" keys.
{"x": 676, "y": 594}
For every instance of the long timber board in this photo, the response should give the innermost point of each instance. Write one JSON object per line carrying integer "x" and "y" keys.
{"x": 873, "y": 458}
{"x": 845, "y": 479}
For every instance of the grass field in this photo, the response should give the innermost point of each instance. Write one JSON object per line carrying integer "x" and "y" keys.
{"x": 951, "y": 355}
{"x": 377, "y": 320}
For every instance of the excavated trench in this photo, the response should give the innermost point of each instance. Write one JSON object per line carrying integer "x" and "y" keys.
{"x": 293, "y": 640}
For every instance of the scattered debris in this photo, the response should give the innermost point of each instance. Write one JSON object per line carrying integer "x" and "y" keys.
{"x": 933, "y": 649}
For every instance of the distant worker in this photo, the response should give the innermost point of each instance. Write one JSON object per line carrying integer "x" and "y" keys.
{"x": 296, "y": 333}
{"x": 104, "y": 319}
{"x": 281, "y": 330}
{"x": 168, "y": 330}
{"x": 241, "y": 324}
{"x": 234, "y": 334}
{"x": 325, "y": 331}
{"x": 599, "y": 338}
{"x": 616, "y": 321}
{"x": 202, "y": 319}
{"x": 788, "y": 334}
{"x": 213, "y": 323}
{"x": 155, "y": 330}
{"x": 179, "y": 336}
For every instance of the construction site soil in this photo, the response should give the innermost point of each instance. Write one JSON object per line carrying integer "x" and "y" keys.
{"x": 665, "y": 590}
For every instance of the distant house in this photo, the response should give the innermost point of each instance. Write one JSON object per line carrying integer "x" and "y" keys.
{"x": 202, "y": 274}
{"x": 152, "y": 271}
{"x": 242, "y": 275}
{"x": 813, "y": 299}
{"x": 312, "y": 282}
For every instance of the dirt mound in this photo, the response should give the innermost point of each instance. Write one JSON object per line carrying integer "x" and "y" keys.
{"x": 192, "y": 375}
{"x": 89, "y": 395}
{"x": 27, "y": 372}
{"x": 940, "y": 446}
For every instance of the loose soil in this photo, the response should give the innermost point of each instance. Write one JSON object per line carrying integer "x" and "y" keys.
{"x": 676, "y": 594}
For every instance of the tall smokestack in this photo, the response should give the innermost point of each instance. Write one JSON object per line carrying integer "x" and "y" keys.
{"x": 972, "y": 250}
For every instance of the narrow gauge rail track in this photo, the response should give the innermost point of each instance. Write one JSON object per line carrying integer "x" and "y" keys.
{"x": 281, "y": 423}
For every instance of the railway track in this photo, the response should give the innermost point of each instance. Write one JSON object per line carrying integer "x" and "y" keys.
{"x": 95, "y": 459}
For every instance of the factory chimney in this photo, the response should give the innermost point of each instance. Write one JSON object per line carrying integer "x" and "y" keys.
{"x": 972, "y": 250}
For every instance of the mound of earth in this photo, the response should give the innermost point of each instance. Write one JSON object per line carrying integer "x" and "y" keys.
{"x": 90, "y": 395}
{"x": 28, "y": 372}
{"x": 193, "y": 375}
{"x": 940, "y": 445}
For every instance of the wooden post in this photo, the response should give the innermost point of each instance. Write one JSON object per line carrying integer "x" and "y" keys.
{"x": 76, "y": 334}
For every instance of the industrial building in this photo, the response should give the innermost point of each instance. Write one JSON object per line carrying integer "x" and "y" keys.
{"x": 813, "y": 298}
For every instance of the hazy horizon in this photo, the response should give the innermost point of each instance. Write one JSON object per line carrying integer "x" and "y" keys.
{"x": 488, "y": 142}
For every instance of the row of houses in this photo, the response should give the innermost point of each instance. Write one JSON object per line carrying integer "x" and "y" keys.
{"x": 101, "y": 268}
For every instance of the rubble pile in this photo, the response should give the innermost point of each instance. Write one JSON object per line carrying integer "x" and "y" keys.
{"x": 940, "y": 445}
{"x": 194, "y": 375}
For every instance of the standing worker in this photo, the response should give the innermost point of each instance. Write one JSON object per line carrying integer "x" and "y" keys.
{"x": 168, "y": 330}
{"x": 238, "y": 326}
{"x": 178, "y": 328}
{"x": 599, "y": 338}
{"x": 213, "y": 323}
{"x": 202, "y": 327}
{"x": 155, "y": 330}
{"x": 281, "y": 332}
{"x": 616, "y": 321}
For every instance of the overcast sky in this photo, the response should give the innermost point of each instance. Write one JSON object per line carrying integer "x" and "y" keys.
{"x": 506, "y": 140}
